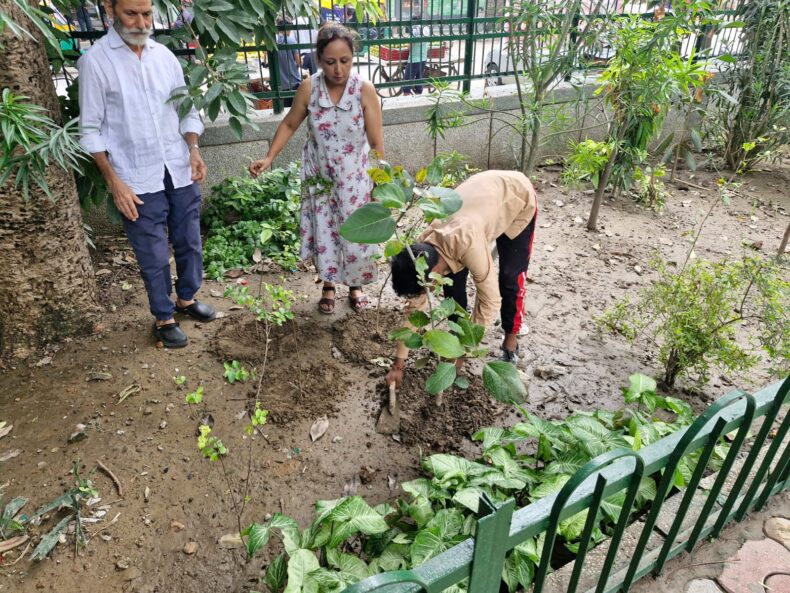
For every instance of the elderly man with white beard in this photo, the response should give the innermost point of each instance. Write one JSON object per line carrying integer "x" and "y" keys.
{"x": 149, "y": 158}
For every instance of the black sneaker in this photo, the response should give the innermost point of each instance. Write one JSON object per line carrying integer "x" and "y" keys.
{"x": 510, "y": 356}
{"x": 171, "y": 335}
{"x": 199, "y": 311}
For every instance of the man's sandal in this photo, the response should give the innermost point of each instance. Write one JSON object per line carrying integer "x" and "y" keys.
{"x": 170, "y": 335}
{"x": 358, "y": 303}
{"x": 326, "y": 305}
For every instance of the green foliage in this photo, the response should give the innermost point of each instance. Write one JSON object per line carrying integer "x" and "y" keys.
{"x": 693, "y": 315}
{"x": 179, "y": 380}
{"x": 585, "y": 162}
{"x": 275, "y": 308}
{"x": 455, "y": 168}
{"x": 248, "y": 219}
{"x": 757, "y": 125}
{"x": 648, "y": 188}
{"x": 210, "y": 446}
{"x": 258, "y": 418}
{"x": 234, "y": 372}
{"x": 445, "y": 330}
{"x": 195, "y": 397}
{"x": 349, "y": 540}
{"x": 31, "y": 142}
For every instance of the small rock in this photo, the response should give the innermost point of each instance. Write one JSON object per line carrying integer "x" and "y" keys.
{"x": 190, "y": 548}
{"x": 177, "y": 526}
{"x": 146, "y": 494}
{"x": 123, "y": 563}
{"x": 547, "y": 373}
{"x": 778, "y": 529}
{"x": 148, "y": 411}
{"x": 638, "y": 270}
{"x": 578, "y": 220}
{"x": 163, "y": 424}
{"x": 549, "y": 247}
{"x": 267, "y": 517}
{"x": 559, "y": 203}
{"x": 597, "y": 247}
{"x": 78, "y": 436}
{"x": 231, "y": 540}
{"x": 132, "y": 574}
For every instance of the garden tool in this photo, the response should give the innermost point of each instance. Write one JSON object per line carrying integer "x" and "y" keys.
{"x": 389, "y": 418}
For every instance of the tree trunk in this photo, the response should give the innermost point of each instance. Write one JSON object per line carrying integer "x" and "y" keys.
{"x": 47, "y": 286}
{"x": 603, "y": 181}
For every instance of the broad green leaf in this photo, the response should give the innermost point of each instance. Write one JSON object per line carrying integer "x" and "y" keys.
{"x": 727, "y": 58}
{"x": 471, "y": 333}
{"x": 390, "y": 195}
{"x": 348, "y": 565}
{"x": 549, "y": 486}
{"x": 443, "y": 343}
{"x": 441, "y": 379}
{"x": 370, "y": 223}
{"x": 567, "y": 463}
{"x": 572, "y": 527}
{"x": 301, "y": 563}
{"x": 502, "y": 381}
{"x": 449, "y": 523}
{"x": 400, "y": 334}
{"x": 443, "y": 465}
{"x": 434, "y": 173}
{"x": 14, "y": 505}
{"x": 353, "y": 516}
{"x": 266, "y": 234}
{"x": 696, "y": 140}
{"x": 418, "y": 487}
{"x": 419, "y": 319}
{"x": 236, "y": 103}
{"x": 449, "y": 200}
{"x": 490, "y": 436}
{"x": 639, "y": 384}
{"x": 592, "y": 436}
{"x": 427, "y": 544}
{"x": 393, "y": 247}
{"x": 235, "y": 126}
{"x": 461, "y": 382}
{"x": 257, "y": 536}
{"x": 421, "y": 511}
{"x": 392, "y": 558}
{"x": 612, "y": 505}
{"x": 647, "y": 490}
{"x": 431, "y": 209}
{"x": 469, "y": 497}
{"x": 276, "y": 574}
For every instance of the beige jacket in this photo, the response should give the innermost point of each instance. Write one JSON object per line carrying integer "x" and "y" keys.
{"x": 495, "y": 203}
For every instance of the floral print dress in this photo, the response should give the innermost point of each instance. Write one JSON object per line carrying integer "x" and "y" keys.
{"x": 335, "y": 182}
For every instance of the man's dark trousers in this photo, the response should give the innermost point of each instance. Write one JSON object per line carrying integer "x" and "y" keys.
{"x": 174, "y": 215}
{"x": 514, "y": 255}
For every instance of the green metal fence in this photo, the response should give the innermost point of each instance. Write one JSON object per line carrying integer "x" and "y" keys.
{"x": 467, "y": 41}
{"x": 701, "y": 510}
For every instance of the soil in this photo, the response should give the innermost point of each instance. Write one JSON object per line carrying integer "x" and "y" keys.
{"x": 319, "y": 366}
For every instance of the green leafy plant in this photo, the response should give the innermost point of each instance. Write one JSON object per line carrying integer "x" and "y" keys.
{"x": 180, "y": 380}
{"x": 275, "y": 308}
{"x": 251, "y": 219}
{"x": 258, "y": 418}
{"x": 455, "y": 168}
{"x": 210, "y": 446}
{"x": 585, "y": 162}
{"x": 648, "y": 187}
{"x": 31, "y": 142}
{"x": 234, "y": 372}
{"x": 349, "y": 540}
{"x": 195, "y": 397}
{"x": 445, "y": 329}
{"x": 691, "y": 316}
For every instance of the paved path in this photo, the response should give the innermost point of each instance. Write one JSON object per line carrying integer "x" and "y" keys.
{"x": 750, "y": 557}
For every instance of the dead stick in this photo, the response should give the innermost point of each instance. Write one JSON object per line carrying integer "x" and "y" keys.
{"x": 115, "y": 479}
{"x": 694, "y": 185}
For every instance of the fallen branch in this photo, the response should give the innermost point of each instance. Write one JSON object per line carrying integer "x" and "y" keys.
{"x": 12, "y": 543}
{"x": 115, "y": 479}
{"x": 694, "y": 185}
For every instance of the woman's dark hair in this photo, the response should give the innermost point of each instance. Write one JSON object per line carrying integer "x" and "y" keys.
{"x": 329, "y": 32}
{"x": 404, "y": 275}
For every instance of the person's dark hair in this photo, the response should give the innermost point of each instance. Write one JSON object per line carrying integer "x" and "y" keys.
{"x": 404, "y": 274}
{"x": 329, "y": 32}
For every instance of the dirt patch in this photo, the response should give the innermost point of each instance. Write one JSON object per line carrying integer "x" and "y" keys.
{"x": 321, "y": 365}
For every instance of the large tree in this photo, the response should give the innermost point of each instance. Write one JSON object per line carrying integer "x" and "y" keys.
{"x": 47, "y": 286}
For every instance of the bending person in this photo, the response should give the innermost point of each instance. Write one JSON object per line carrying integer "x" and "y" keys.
{"x": 497, "y": 206}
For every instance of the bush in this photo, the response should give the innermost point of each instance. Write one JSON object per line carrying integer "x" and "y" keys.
{"x": 245, "y": 216}
{"x": 693, "y": 316}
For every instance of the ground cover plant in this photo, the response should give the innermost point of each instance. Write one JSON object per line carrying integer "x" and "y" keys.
{"x": 349, "y": 540}
{"x": 250, "y": 219}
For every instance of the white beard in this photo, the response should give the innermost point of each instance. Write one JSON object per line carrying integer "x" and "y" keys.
{"x": 136, "y": 37}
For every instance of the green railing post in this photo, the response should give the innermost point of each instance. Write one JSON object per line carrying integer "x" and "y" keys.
{"x": 274, "y": 79}
{"x": 493, "y": 527}
{"x": 469, "y": 44}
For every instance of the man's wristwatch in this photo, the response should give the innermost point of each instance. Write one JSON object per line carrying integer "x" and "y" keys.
{"x": 193, "y": 146}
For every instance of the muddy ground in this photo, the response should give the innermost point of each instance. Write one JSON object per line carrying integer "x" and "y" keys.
{"x": 319, "y": 366}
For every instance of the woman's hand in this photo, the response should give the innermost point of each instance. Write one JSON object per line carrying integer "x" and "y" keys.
{"x": 259, "y": 166}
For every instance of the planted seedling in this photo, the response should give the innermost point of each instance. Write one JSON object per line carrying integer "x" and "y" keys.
{"x": 195, "y": 397}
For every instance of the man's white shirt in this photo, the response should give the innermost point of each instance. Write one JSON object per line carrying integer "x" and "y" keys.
{"x": 124, "y": 111}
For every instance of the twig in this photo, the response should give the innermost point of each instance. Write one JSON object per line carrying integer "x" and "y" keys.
{"x": 115, "y": 479}
{"x": 694, "y": 185}
{"x": 22, "y": 555}
{"x": 110, "y": 524}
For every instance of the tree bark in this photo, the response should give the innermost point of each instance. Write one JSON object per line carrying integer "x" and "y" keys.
{"x": 783, "y": 244}
{"x": 47, "y": 286}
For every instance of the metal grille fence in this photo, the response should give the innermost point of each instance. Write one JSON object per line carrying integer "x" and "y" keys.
{"x": 706, "y": 505}
{"x": 463, "y": 41}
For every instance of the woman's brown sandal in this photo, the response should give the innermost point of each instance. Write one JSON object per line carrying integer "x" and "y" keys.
{"x": 326, "y": 305}
{"x": 358, "y": 303}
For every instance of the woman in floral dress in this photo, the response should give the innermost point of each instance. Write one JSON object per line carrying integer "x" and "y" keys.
{"x": 344, "y": 123}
